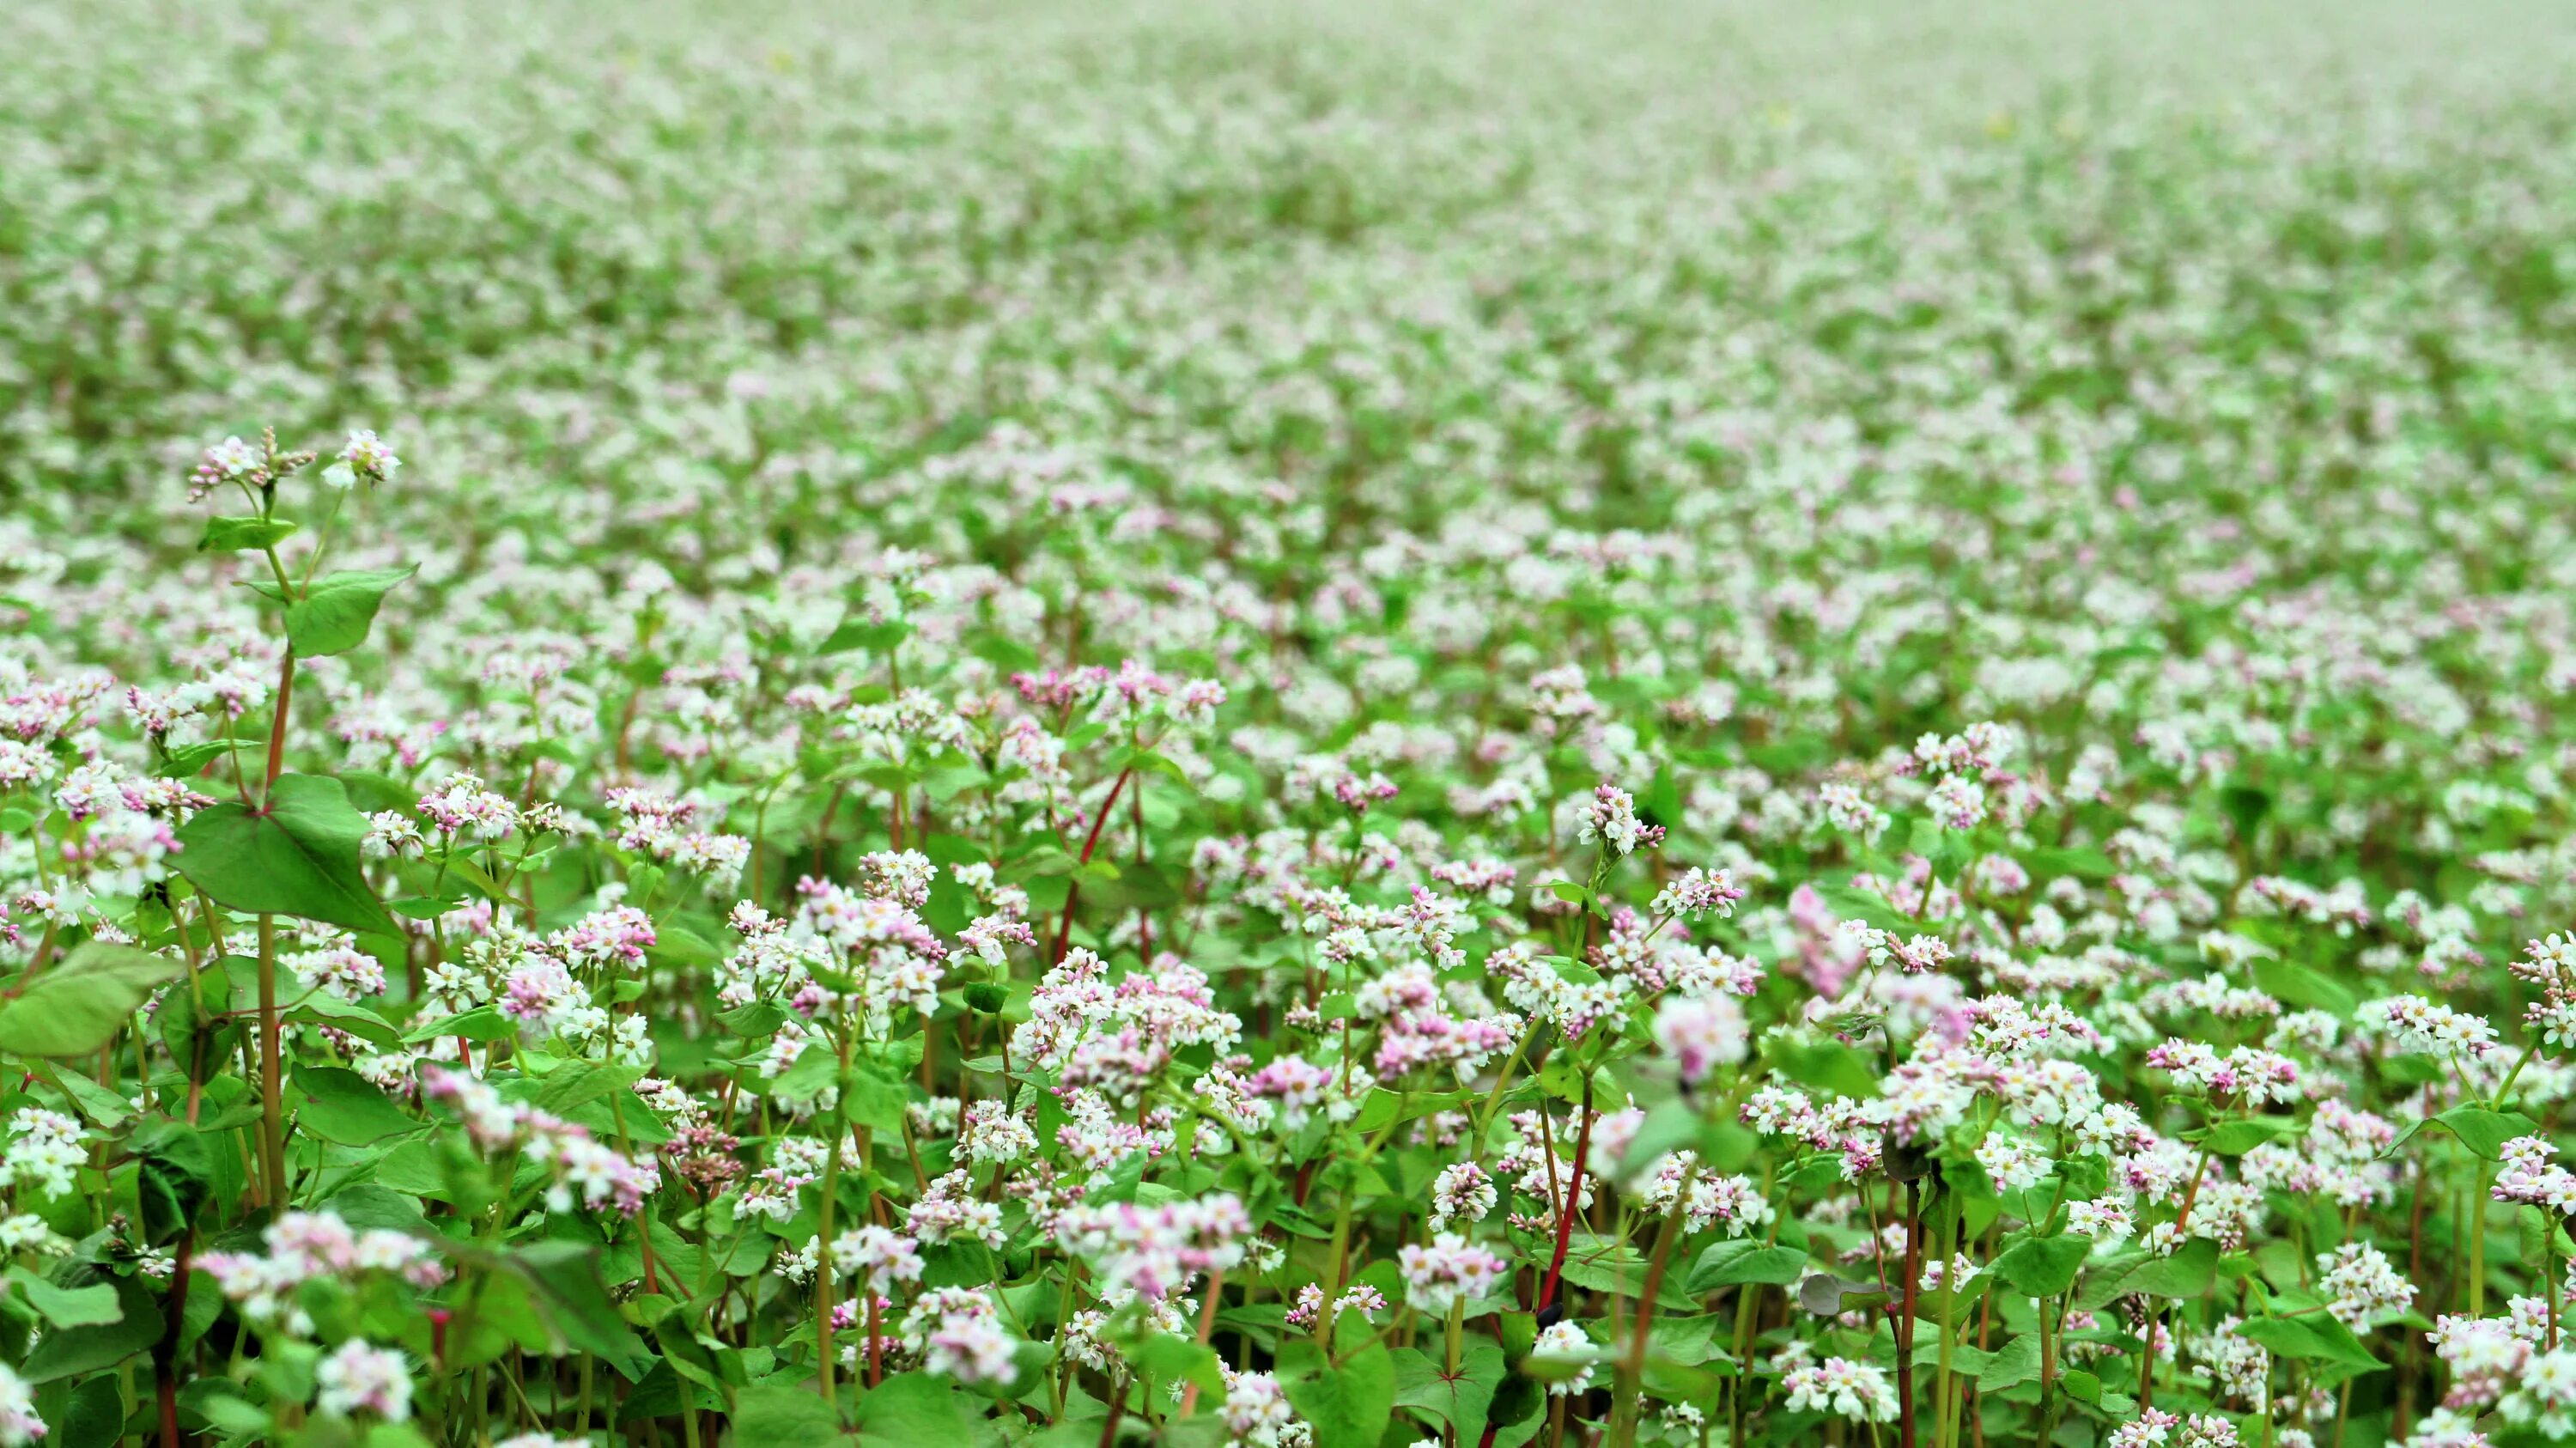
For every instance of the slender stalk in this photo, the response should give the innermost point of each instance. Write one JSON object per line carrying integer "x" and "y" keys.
{"x": 1073, "y": 887}
{"x": 2477, "y": 1208}
{"x": 1207, "y": 1326}
{"x": 823, "y": 1273}
{"x": 272, "y": 1111}
{"x": 1905, "y": 1432}
{"x": 1573, "y": 1196}
{"x": 1625, "y": 1398}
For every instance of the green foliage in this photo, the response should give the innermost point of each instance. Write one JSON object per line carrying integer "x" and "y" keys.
{"x": 295, "y": 855}
{"x": 74, "y": 1008}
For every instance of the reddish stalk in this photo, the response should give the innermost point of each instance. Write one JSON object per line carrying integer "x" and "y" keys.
{"x": 165, "y": 1364}
{"x": 1905, "y": 1320}
{"x": 1073, "y": 887}
{"x": 1207, "y": 1328}
{"x": 1573, "y": 1195}
{"x": 277, "y": 727}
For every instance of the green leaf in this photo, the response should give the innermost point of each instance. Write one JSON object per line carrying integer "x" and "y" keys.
{"x": 241, "y": 535}
{"x": 1168, "y": 1358}
{"x": 184, "y": 761}
{"x": 369, "y": 1204}
{"x": 1384, "y": 1108}
{"x": 344, "y": 1107}
{"x": 2235, "y": 1138}
{"x": 92, "y": 1306}
{"x": 297, "y": 855}
{"x": 321, "y": 1008}
{"x": 1853, "y": 903}
{"x": 483, "y": 1023}
{"x": 767, "y": 1414}
{"x": 565, "y": 1276}
{"x": 687, "y": 1355}
{"x": 578, "y": 1083}
{"x": 76, "y": 1006}
{"x": 805, "y": 1079}
{"x": 96, "y": 1102}
{"x": 859, "y": 633}
{"x": 2315, "y": 1337}
{"x": 2485, "y": 1132}
{"x": 2302, "y": 985}
{"x": 870, "y": 1100}
{"x": 72, "y": 1351}
{"x": 2014, "y": 1363}
{"x": 2186, "y": 1274}
{"x": 1732, "y": 1264}
{"x": 915, "y": 1408}
{"x": 1825, "y": 1064}
{"x": 2084, "y": 862}
{"x": 336, "y": 611}
{"x": 220, "y": 1402}
{"x": 2042, "y": 1266}
{"x": 1349, "y": 1406}
{"x": 1462, "y": 1401}
{"x": 178, "y": 1171}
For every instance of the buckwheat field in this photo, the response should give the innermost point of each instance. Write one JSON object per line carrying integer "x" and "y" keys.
{"x": 1378, "y": 725}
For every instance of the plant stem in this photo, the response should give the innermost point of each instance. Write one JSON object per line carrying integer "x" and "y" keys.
{"x": 1905, "y": 1431}
{"x": 272, "y": 1114}
{"x": 1624, "y": 1398}
{"x": 1073, "y": 887}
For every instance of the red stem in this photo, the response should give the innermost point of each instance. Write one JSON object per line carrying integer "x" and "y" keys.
{"x": 1573, "y": 1195}
{"x": 165, "y": 1360}
{"x": 1073, "y": 888}
{"x": 277, "y": 728}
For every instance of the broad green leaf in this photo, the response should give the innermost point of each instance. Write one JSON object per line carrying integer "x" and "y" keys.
{"x": 1731, "y": 1264}
{"x": 100, "y": 1105}
{"x": 70, "y": 1351}
{"x": 95, "y": 1419}
{"x": 296, "y": 855}
{"x": 483, "y": 1023}
{"x": 94, "y": 1305}
{"x": 1169, "y": 1358}
{"x": 565, "y": 1276}
{"x": 860, "y": 633}
{"x": 577, "y": 1083}
{"x": 2313, "y": 1337}
{"x": 2042, "y": 1266}
{"x": 2485, "y": 1132}
{"x": 1349, "y": 1406}
{"x": 769, "y": 1414}
{"x": 242, "y": 534}
{"x": 1852, "y": 903}
{"x": 870, "y": 1100}
{"x": 2235, "y": 1138}
{"x": 180, "y": 1167}
{"x": 321, "y": 1008}
{"x": 335, "y": 612}
{"x": 2015, "y": 1362}
{"x": 370, "y": 1204}
{"x": 1825, "y": 1064}
{"x": 2187, "y": 1273}
{"x": 76, "y": 1005}
{"x": 915, "y": 1408}
{"x": 1422, "y": 1381}
{"x": 341, "y": 1105}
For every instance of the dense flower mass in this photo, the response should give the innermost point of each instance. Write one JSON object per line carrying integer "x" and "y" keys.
{"x": 1307, "y": 727}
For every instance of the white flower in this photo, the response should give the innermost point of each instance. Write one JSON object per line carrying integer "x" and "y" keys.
{"x": 359, "y": 1378}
